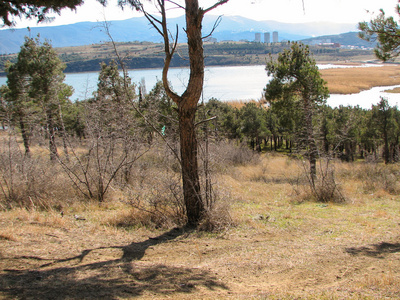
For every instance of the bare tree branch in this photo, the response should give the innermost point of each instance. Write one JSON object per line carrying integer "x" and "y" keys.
{"x": 215, "y": 5}
{"x": 177, "y": 4}
{"x": 216, "y": 24}
{"x": 204, "y": 121}
{"x": 126, "y": 91}
{"x": 153, "y": 20}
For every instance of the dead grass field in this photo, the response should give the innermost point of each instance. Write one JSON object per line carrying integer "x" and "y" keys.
{"x": 355, "y": 80}
{"x": 279, "y": 246}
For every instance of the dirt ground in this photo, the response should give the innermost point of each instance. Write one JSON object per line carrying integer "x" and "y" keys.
{"x": 276, "y": 249}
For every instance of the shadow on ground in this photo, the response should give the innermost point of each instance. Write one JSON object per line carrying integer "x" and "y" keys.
{"x": 123, "y": 277}
{"x": 377, "y": 250}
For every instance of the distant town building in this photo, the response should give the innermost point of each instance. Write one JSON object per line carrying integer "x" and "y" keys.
{"x": 320, "y": 41}
{"x": 332, "y": 45}
{"x": 257, "y": 37}
{"x": 275, "y": 38}
{"x": 267, "y": 37}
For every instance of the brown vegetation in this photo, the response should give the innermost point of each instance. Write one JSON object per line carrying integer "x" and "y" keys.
{"x": 239, "y": 103}
{"x": 275, "y": 243}
{"x": 355, "y": 80}
{"x": 395, "y": 90}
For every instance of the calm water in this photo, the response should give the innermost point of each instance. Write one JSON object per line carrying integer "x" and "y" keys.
{"x": 223, "y": 83}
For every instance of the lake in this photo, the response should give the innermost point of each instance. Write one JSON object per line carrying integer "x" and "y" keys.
{"x": 224, "y": 83}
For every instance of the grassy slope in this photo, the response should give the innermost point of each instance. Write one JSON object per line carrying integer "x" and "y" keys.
{"x": 279, "y": 248}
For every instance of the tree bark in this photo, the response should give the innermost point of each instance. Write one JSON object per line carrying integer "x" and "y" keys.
{"x": 24, "y": 134}
{"x": 190, "y": 176}
{"x": 64, "y": 133}
{"x": 312, "y": 146}
{"x": 187, "y": 107}
{"x": 386, "y": 154}
{"x": 52, "y": 138}
{"x": 188, "y": 101}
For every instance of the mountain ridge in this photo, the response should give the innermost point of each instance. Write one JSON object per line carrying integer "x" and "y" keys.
{"x": 233, "y": 28}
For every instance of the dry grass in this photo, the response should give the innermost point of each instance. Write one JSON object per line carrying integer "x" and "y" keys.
{"x": 267, "y": 242}
{"x": 355, "y": 80}
{"x": 395, "y": 90}
{"x": 278, "y": 248}
{"x": 239, "y": 103}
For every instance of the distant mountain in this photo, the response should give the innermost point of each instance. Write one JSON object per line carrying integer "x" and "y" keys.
{"x": 349, "y": 38}
{"x": 138, "y": 29}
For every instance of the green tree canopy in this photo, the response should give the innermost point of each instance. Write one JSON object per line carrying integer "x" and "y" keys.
{"x": 384, "y": 30}
{"x": 383, "y": 115}
{"x": 35, "y": 82}
{"x": 295, "y": 77}
{"x": 29, "y": 9}
{"x": 254, "y": 124}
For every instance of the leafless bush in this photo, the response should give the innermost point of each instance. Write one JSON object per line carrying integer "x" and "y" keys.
{"x": 30, "y": 181}
{"x": 155, "y": 189}
{"x": 324, "y": 188}
{"x": 375, "y": 176}
{"x": 225, "y": 153}
{"x": 92, "y": 170}
{"x": 110, "y": 149}
{"x": 217, "y": 217}
{"x": 158, "y": 194}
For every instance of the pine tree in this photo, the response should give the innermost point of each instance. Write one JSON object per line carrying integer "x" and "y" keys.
{"x": 38, "y": 9}
{"x": 36, "y": 82}
{"x": 295, "y": 76}
{"x": 384, "y": 30}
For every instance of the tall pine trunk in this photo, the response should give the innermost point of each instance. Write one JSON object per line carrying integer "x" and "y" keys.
{"x": 311, "y": 144}
{"x": 52, "y": 138}
{"x": 24, "y": 133}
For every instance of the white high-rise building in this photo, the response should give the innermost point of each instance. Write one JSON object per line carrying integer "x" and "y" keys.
{"x": 267, "y": 37}
{"x": 275, "y": 38}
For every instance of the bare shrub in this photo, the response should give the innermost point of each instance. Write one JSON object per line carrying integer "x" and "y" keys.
{"x": 157, "y": 191}
{"x": 227, "y": 153}
{"x": 30, "y": 181}
{"x": 376, "y": 176}
{"x": 92, "y": 169}
{"x": 217, "y": 218}
{"x": 324, "y": 188}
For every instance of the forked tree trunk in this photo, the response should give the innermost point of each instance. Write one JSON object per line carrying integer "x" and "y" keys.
{"x": 187, "y": 108}
{"x": 188, "y": 101}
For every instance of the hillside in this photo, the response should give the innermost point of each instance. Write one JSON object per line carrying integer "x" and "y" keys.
{"x": 144, "y": 55}
{"x": 348, "y": 38}
{"x": 138, "y": 29}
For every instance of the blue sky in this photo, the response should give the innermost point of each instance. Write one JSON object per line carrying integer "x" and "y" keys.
{"x": 288, "y": 11}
